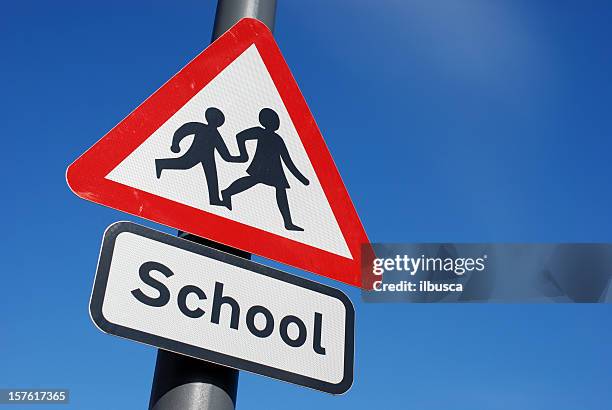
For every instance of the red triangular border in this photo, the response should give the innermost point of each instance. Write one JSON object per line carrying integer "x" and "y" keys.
{"x": 86, "y": 176}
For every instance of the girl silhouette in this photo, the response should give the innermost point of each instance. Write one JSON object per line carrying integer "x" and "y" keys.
{"x": 267, "y": 165}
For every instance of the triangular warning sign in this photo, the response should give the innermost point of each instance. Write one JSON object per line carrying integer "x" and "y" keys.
{"x": 228, "y": 150}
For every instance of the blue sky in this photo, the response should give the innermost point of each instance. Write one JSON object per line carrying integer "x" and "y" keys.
{"x": 449, "y": 121}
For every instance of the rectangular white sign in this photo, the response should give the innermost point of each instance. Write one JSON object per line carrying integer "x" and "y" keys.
{"x": 191, "y": 299}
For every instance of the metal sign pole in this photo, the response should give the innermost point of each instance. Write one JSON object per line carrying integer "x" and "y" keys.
{"x": 182, "y": 382}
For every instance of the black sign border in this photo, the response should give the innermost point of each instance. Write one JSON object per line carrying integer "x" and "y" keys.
{"x": 99, "y": 291}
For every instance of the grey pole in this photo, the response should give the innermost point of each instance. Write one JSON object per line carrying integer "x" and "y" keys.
{"x": 182, "y": 382}
{"x": 230, "y": 11}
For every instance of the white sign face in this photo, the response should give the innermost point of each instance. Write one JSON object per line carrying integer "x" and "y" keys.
{"x": 239, "y": 92}
{"x": 184, "y": 297}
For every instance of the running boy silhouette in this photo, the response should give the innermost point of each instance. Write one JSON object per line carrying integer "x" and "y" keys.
{"x": 267, "y": 165}
{"x": 206, "y": 139}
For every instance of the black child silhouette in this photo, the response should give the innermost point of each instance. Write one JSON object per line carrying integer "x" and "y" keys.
{"x": 267, "y": 164}
{"x": 206, "y": 139}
